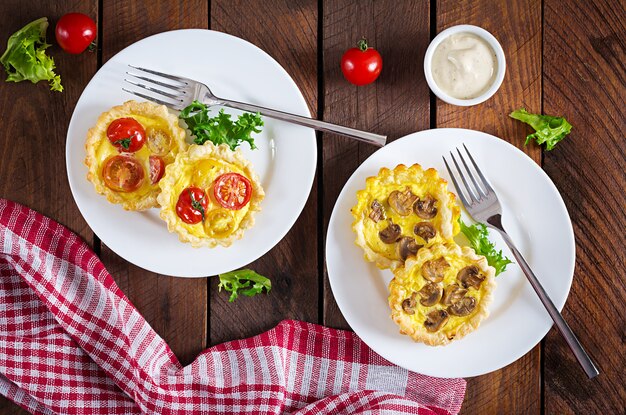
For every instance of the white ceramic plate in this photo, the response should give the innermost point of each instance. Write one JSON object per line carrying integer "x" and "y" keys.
{"x": 285, "y": 160}
{"x": 535, "y": 217}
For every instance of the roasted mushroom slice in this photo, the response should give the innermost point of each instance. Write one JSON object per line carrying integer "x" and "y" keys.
{"x": 425, "y": 230}
{"x": 452, "y": 294}
{"x": 434, "y": 269}
{"x": 402, "y": 202}
{"x": 390, "y": 234}
{"x": 470, "y": 277}
{"x": 463, "y": 307}
{"x": 431, "y": 294}
{"x": 425, "y": 208}
{"x": 408, "y": 305}
{"x": 378, "y": 211}
{"x": 435, "y": 320}
{"x": 407, "y": 246}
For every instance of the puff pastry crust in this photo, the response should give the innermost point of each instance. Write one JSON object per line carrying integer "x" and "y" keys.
{"x": 423, "y": 184}
{"x": 160, "y": 124}
{"x": 411, "y": 279}
{"x": 199, "y": 166}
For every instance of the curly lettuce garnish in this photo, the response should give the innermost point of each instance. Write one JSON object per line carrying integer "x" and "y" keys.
{"x": 25, "y": 58}
{"x": 478, "y": 237}
{"x": 548, "y": 129}
{"x": 220, "y": 129}
{"x": 244, "y": 281}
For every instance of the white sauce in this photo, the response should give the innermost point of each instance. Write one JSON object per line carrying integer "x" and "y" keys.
{"x": 464, "y": 65}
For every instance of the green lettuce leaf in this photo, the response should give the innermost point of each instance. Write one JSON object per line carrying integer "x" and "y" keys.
{"x": 25, "y": 58}
{"x": 220, "y": 129}
{"x": 548, "y": 129}
{"x": 243, "y": 281}
{"x": 478, "y": 237}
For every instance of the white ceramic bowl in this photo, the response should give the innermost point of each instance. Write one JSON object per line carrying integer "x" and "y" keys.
{"x": 490, "y": 39}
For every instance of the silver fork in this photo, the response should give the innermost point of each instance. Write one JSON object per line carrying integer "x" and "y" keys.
{"x": 481, "y": 202}
{"x": 178, "y": 92}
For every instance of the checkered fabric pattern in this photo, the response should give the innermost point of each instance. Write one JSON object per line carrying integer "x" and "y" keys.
{"x": 72, "y": 343}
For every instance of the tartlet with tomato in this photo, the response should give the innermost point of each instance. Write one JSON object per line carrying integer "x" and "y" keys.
{"x": 209, "y": 195}
{"x": 128, "y": 150}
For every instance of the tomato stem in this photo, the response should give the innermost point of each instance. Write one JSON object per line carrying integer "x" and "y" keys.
{"x": 195, "y": 204}
{"x": 93, "y": 46}
{"x": 362, "y": 44}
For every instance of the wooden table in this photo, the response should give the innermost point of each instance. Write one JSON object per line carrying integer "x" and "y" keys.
{"x": 563, "y": 58}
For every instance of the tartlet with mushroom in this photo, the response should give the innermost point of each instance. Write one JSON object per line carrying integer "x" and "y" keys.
{"x": 209, "y": 195}
{"x": 128, "y": 150}
{"x": 401, "y": 211}
{"x": 442, "y": 294}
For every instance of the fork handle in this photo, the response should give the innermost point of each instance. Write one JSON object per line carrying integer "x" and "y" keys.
{"x": 371, "y": 138}
{"x": 570, "y": 338}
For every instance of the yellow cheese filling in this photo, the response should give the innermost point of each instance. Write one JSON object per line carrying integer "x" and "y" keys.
{"x": 414, "y": 281}
{"x": 104, "y": 150}
{"x": 219, "y": 222}
{"x": 406, "y": 223}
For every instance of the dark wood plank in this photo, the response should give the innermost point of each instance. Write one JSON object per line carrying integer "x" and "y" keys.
{"x": 396, "y": 104}
{"x": 585, "y": 80}
{"x": 175, "y": 307}
{"x": 35, "y": 120}
{"x": 517, "y": 26}
{"x": 287, "y": 30}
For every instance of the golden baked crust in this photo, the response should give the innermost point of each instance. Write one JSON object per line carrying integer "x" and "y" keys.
{"x": 423, "y": 184}
{"x": 410, "y": 279}
{"x": 99, "y": 149}
{"x": 199, "y": 166}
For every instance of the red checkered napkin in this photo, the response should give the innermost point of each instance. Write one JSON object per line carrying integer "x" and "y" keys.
{"x": 72, "y": 343}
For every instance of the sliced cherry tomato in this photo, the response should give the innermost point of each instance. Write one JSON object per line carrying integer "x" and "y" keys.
{"x": 232, "y": 190}
{"x": 126, "y": 134}
{"x": 191, "y": 205}
{"x": 75, "y": 32}
{"x": 123, "y": 173}
{"x": 219, "y": 223}
{"x": 157, "y": 168}
{"x": 158, "y": 141}
{"x": 361, "y": 65}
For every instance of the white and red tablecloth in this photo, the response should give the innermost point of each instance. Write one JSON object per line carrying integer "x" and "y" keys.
{"x": 72, "y": 343}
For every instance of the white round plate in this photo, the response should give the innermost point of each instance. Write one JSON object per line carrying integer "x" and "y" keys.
{"x": 285, "y": 159}
{"x": 535, "y": 217}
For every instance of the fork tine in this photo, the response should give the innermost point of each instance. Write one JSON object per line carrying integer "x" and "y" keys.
{"x": 480, "y": 173}
{"x": 163, "y": 75}
{"x": 155, "y": 90}
{"x": 468, "y": 188}
{"x": 154, "y": 81}
{"x": 456, "y": 184}
{"x": 158, "y": 101}
{"x": 471, "y": 174}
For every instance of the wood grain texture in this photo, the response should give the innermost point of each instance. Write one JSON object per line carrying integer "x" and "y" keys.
{"x": 35, "y": 120}
{"x": 395, "y": 105}
{"x": 175, "y": 307}
{"x": 515, "y": 389}
{"x": 585, "y": 81}
{"x": 289, "y": 34}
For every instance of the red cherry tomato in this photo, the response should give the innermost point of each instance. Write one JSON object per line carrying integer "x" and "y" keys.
{"x": 232, "y": 190}
{"x": 126, "y": 134}
{"x": 191, "y": 205}
{"x": 157, "y": 168}
{"x": 362, "y": 65}
{"x": 123, "y": 173}
{"x": 75, "y": 32}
